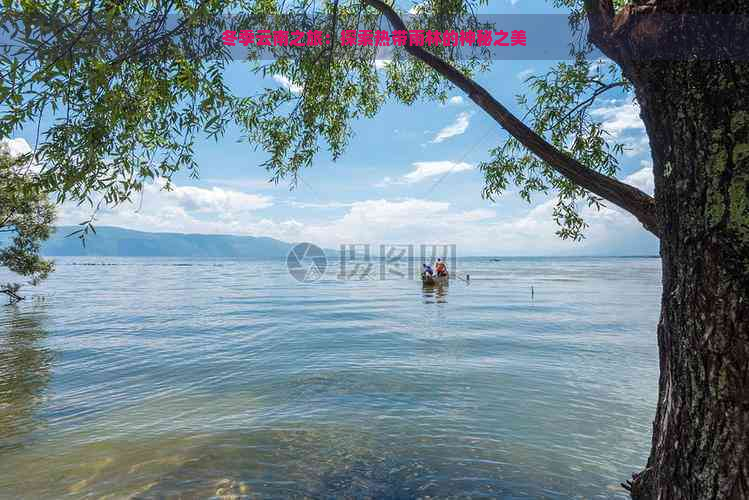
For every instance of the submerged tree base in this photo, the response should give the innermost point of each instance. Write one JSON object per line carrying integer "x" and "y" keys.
{"x": 642, "y": 485}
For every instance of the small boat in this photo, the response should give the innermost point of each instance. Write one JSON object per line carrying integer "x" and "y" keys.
{"x": 434, "y": 280}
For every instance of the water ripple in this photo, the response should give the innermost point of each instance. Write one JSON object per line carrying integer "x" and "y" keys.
{"x": 165, "y": 377}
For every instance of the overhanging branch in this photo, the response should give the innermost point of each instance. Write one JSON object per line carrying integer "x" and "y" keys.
{"x": 629, "y": 198}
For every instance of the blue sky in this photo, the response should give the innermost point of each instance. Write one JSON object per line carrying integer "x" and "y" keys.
{"x": 408, "y": 176}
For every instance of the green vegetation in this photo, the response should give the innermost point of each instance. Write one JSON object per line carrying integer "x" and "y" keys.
{"x": 129, "y": 99}
{"x": 27, "y": 216}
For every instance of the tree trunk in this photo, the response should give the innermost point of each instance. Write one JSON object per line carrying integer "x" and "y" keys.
{"x": 697, "y": 118}
{"x": 691, "y": 77}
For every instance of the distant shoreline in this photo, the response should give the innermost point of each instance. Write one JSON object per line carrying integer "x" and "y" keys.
{"x": 116, "y": 242}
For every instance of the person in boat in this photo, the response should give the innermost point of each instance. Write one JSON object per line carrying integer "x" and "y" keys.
{"x": 441, "y": 268}
{"x": 427, "y": 270}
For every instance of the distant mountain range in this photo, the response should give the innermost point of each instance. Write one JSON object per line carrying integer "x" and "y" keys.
{"x": 112, "y": 241}
{"x": 118, "y": 242}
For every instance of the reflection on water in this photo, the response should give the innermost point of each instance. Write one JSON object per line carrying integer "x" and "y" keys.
{"x": 435, "y": 293}
{"x": 24, "y": 373}
{"x": 157, "y": 379}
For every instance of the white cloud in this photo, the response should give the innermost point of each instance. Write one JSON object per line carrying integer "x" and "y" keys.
{"x": 381, "y": 63}
{"x": 455, "y": 100}
{"x": 383, "y": 57}
{"x": 476, "y": 215}
{"x": 397, "y": 213}
{"x": 15, "y": 147}
{"x": 393, "y": 221}
{"x": 426, "y": 169}
{"x": 611, "y": 231}
{"x": 454, "y": 129}
{"x": 417, "y": 8}
{"x": 288, "y": 84}
{"x": 476, "y": 231}
{"x": 525, "y": 74}
{"x": 385, "y": 182}
{"x": 183, "y": 209}
{"x": 331, "y": 204}
{"x": 635, "y": 145}
{"x": 246, "y": 184}
{"x": 643, "y": 178}
{"x": 216, "y": 200}
{"x": 20, "y": 147}
{"x": 617, "y": 119}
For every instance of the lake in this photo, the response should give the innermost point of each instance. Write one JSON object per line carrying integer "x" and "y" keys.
{"x": 179, "y": 378}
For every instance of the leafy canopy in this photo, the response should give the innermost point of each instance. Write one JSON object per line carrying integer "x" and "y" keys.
{"x": 130, "y": 85}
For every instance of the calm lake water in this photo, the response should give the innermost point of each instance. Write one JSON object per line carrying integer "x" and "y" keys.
{"x": 178, "y": 378}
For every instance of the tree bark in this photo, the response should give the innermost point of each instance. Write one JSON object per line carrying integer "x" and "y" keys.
{"x": 700, "y": 143}
{"x": 696, "y": 113}
{"x": 700, "y": 150}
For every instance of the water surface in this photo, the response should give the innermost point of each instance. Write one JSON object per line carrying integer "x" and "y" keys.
{"x": 162, "y": 378}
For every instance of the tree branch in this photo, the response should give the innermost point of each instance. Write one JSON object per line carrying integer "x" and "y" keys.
{"x": 12, "y": 295}
{"x": 631, "y": 199}
{"x": 587, "y": 103}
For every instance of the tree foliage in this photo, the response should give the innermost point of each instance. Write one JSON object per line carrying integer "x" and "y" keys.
{"x": 558, "y": 108}
{"x": 130, "y": 85}
{"x": 26, "y": 220}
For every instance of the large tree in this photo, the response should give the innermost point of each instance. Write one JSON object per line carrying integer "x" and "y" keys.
{"x": 130, "y": 84}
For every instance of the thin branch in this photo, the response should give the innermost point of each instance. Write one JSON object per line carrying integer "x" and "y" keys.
{"x": 63, "y": 53}
{"x": 137, "y": 49}
{"x": 583, "y": 105}
{"x": 631, "y": 199}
